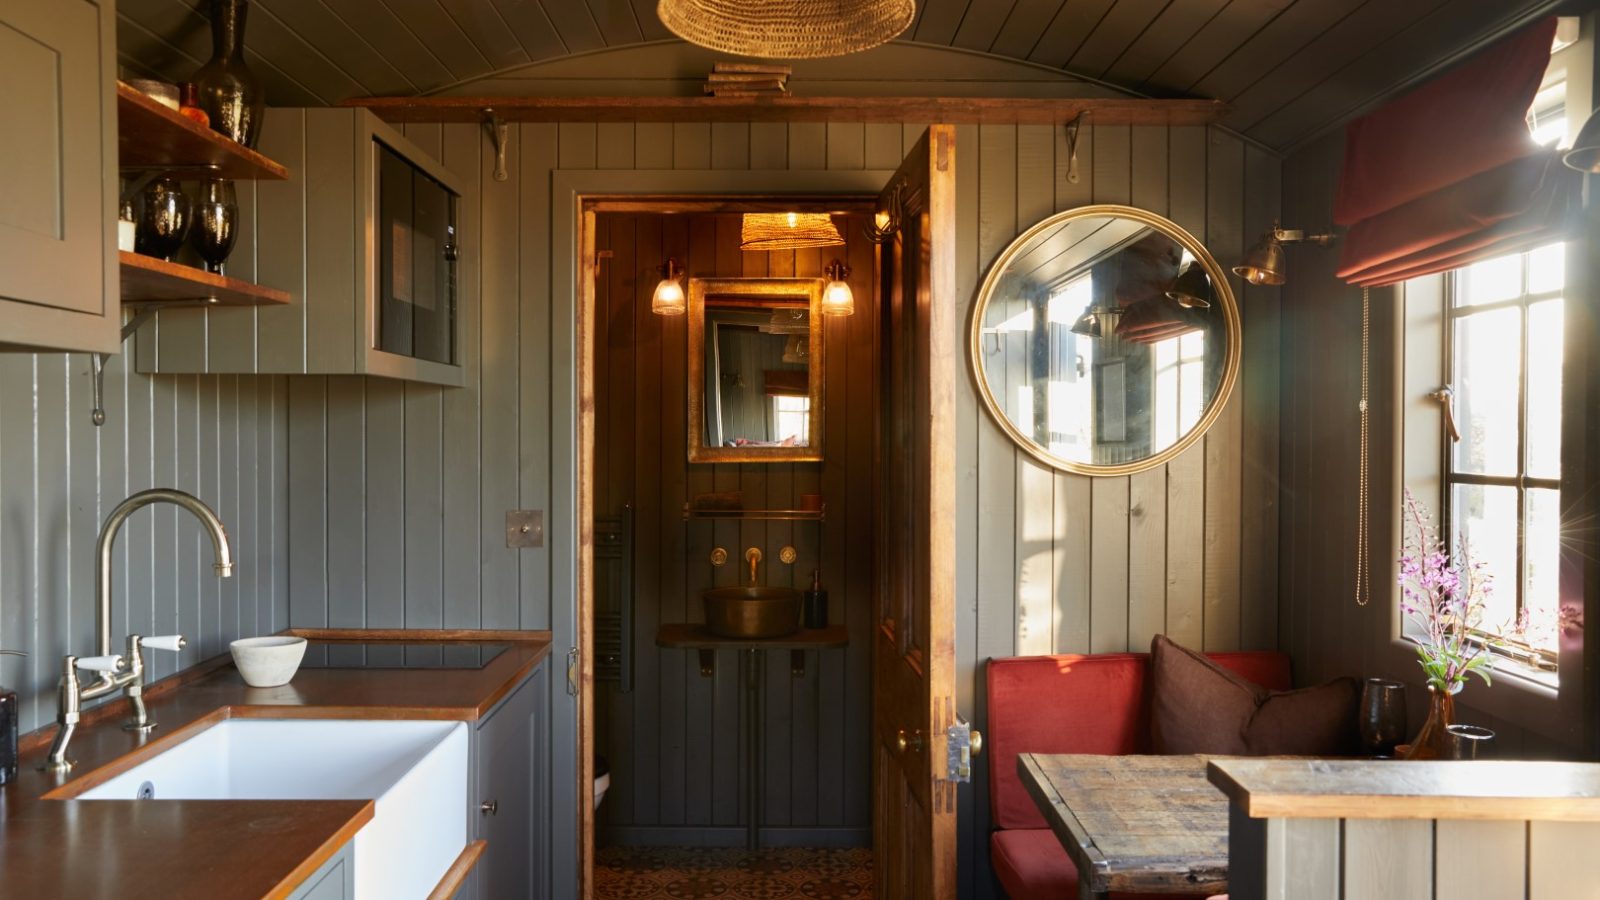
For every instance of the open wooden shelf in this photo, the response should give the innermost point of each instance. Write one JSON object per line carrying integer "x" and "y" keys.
{"x": 765, "y": 515}
{"x": 945, "y": 110}
{"x": 695, "y": 637}
{"x": 151, "y": 136}
{"x": 146, "y": 279}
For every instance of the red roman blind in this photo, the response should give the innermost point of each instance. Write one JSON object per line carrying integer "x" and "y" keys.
{"x": 1448, "y": 174}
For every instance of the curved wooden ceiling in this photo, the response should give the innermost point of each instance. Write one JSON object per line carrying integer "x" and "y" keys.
{"x": 1291, "y": 69}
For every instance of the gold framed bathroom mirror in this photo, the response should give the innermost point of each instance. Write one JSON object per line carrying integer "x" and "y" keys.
{"x": 755, "y": 370}
{"x": 1105, "y": 340}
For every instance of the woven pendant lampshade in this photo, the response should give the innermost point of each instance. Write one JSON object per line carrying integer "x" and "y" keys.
{"x": 787, "y": 231}
{"x": 787, "y": 29}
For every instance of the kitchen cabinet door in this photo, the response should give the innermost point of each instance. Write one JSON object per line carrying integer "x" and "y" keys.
{"x": 58, "y": 273}
{"x": 510, "y": 806}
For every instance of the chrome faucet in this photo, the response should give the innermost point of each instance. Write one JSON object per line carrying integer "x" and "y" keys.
{"x": 124, "y": 671}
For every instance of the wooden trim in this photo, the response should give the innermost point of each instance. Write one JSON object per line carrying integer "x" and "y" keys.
{"x": 327, "y": 851}
{"x": 948, "y": 110}
{"x": 456, "y": 875}
{"x": 1361, "y": 789}
{"x": 145, "y": 279}
{"x": 150, "y": 135}
{"x": 417, "y": 636}
{"x": 585, "y": 339}
{"x": 842, "y": 205}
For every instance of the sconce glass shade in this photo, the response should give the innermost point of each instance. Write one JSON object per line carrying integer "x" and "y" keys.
{"x": 1192, "y": 290}
{"x": 1264, "y": 264}
{"x": 837, "y": 298}
{"x": 788, "y": 231}
{"x": 791, "y": 29}
{"x": 1585, "y": 153}
{"x": 669, "y": 300}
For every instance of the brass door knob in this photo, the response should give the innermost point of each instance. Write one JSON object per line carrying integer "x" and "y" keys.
{"x": 904, "y": 741}
{"x": 975, "y": 742}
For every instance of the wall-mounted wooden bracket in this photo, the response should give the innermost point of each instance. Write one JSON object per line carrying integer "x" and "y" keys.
{"x": 500, "y": 137}
{"x": 708, "y": 663}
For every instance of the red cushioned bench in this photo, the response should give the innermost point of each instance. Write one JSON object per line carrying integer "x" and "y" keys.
{"x": 1070, "y": 704}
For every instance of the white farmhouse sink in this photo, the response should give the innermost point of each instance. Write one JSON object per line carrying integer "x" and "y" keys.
{"x": 416, "y": 771}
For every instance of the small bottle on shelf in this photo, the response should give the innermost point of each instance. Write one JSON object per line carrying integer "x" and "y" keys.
{"x": 189, "y": 104}
{"x": 814, "y": 607}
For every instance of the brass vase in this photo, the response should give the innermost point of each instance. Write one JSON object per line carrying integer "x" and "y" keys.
{"x": 1433, "y": 741}
{"x": 229, "y": 92}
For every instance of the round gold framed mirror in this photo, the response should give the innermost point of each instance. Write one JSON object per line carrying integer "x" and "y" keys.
{"x": 1105, "y": 340}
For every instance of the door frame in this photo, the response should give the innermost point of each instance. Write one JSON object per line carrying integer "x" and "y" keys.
{"x": 575, "y": 197}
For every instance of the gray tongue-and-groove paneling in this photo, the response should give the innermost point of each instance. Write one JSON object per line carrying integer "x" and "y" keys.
{"x": 218, "y": 437}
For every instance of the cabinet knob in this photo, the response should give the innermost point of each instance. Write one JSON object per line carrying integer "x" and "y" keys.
{"x": 489, "y": 807}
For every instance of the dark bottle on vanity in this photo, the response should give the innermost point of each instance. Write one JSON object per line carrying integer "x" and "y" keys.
{"x": 814, "y": 607}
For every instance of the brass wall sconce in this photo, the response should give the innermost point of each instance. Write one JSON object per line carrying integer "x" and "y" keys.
{"x": 837, "y": 298}
{"x": 1585, "y": 153}
{"x": 1265, "y": 263}
{"x": 669, "y": 300}
{"x": 1192, "y": 290}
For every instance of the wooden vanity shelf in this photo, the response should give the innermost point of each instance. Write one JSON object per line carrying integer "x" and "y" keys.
{"x": 152, "y": 137}
{"x": 696, "y": 637}
{"x": 766, "y": 515}
{"x": 147, "y": 280}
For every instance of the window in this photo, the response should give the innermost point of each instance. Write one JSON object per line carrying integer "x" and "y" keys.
{"x": 1503, "y": 357}
{"x": 791, "y": 419}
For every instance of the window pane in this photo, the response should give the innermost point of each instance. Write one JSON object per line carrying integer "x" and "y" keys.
{"x": 1490, "y": 281}
{"x": 1541, "y": 591}
{"x": 1486, "y": 522}
{"x": 1545, "y": 352}
{"x": 1488, "y": 363}
{"x": 1547, "y": 269}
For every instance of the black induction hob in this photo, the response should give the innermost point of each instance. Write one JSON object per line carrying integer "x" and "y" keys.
{"x": 393, "y": 655}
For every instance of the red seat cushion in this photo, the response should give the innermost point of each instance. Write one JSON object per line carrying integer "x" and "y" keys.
{"x": 1032, "y": 865}
{"x": 1079, "y": 704}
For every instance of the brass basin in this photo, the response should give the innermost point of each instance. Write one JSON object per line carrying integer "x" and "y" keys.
{"x": 752, "y": 612}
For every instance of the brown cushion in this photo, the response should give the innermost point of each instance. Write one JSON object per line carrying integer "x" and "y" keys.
{"x": 1196, "y": 706}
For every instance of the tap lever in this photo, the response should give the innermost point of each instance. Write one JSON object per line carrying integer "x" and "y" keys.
{"x": 169, "y": 642}
{"x": 112, "y": 663}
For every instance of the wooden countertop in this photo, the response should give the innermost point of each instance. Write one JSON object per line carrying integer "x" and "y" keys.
{"x": 1389, "y": 789}
{"x": 91, "y": 849}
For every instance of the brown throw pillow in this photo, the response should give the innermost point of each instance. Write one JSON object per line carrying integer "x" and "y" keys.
{"x": 1196, "y": 706}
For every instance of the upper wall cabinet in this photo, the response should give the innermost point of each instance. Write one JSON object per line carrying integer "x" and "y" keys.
{"x": 365, "y": 235}
{"x": 58, "y": 177}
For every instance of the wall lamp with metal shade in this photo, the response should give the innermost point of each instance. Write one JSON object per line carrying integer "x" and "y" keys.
{"x": 837, "y": 298}
{"x": 1585, "y": 153}
{"x": 1265, "y": 263}
{"x": 668, "y": 299}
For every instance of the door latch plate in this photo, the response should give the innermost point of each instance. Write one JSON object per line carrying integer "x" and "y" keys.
{"x": 958, "y": 749}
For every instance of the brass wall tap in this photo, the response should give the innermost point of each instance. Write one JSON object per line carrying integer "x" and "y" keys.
{"x": 753, "y": 557}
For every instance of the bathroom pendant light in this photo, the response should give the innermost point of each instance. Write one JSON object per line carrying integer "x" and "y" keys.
{"x": 837, "y": 299}
{"x": 668, "y": 300}
{"x": 790, "y": 29}
{"x": 787, "y": 231}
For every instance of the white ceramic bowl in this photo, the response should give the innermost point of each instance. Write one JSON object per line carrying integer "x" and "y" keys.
{"x": 268, "y": 661}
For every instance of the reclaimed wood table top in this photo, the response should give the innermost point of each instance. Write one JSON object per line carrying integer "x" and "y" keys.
{"x": 1142, "y": 824}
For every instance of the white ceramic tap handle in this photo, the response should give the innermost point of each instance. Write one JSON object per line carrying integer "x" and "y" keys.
{"x": 172, "y": 642}
{"x": 101, "y": 663}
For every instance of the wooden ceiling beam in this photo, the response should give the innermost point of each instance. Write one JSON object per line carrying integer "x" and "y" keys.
{"x": 950, "y": 110}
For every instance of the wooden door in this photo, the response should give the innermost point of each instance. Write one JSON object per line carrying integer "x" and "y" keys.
{"x": 914, "y": 806}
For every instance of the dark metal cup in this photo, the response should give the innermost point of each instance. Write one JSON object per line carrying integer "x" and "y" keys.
{"x": 1383, "y": 716}
{"x": 1469, "y": 741}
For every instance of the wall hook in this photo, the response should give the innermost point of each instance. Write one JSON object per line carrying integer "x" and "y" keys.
{"x": 500, "y": 136}
{"x": 1073, "y": 128}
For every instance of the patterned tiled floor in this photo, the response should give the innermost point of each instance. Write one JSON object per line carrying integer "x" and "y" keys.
{"x": 694, "y": 873}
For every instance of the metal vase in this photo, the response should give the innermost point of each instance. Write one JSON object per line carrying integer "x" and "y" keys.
{"x": 216, "y": 222}
{"x": 229, "y": 92}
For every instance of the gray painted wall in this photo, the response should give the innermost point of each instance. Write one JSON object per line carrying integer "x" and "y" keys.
{"x": 221, "y": 438}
